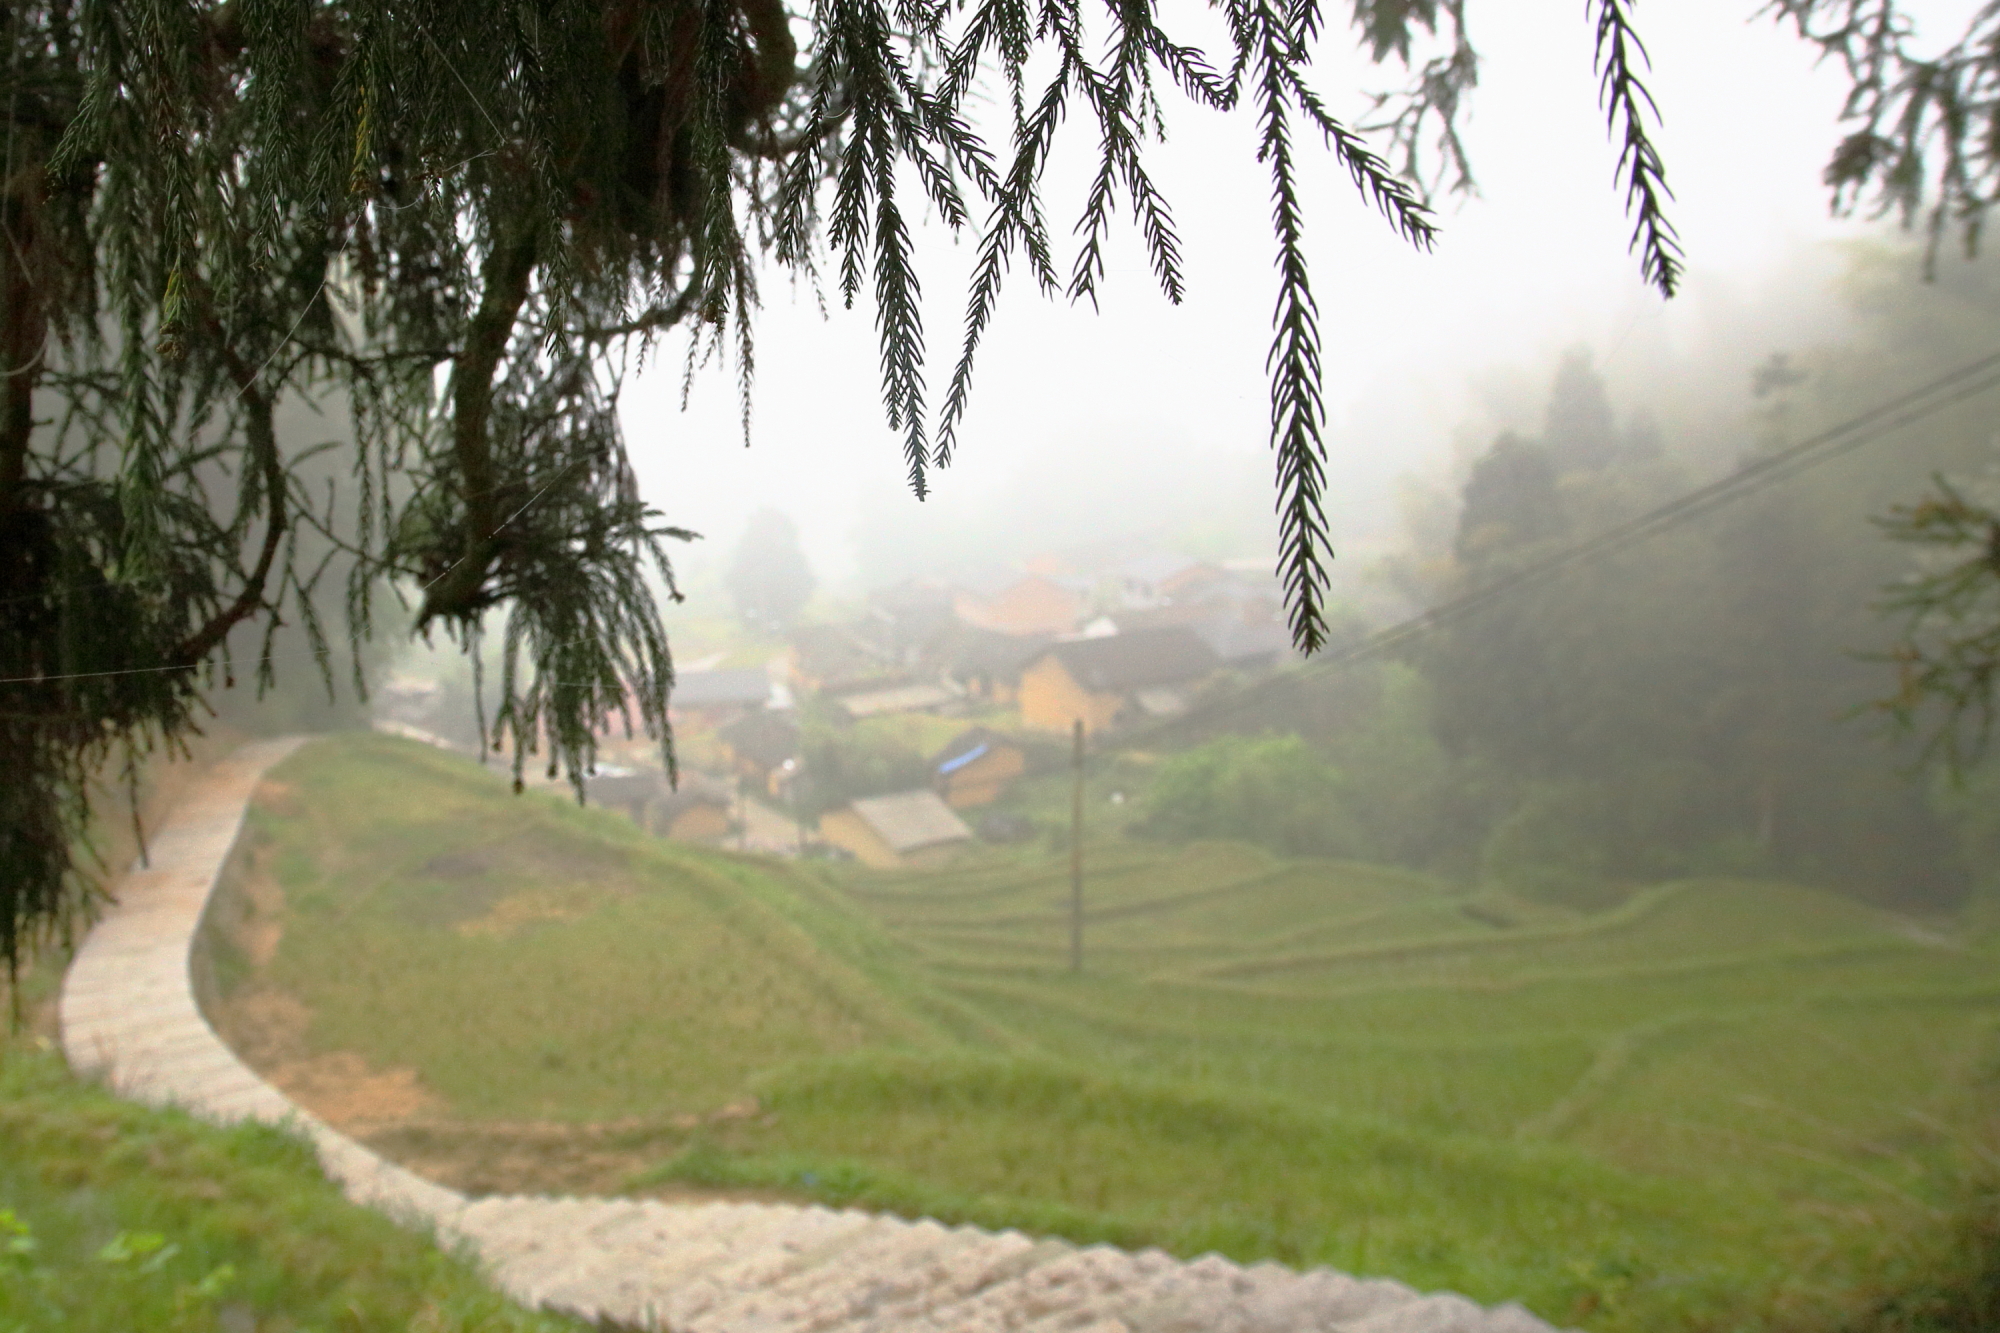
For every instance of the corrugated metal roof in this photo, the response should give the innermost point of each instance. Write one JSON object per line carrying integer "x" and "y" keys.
{"x": 912, "y": 819}
{"x": 901, "y": 699}
{"x": 748, "y": 687}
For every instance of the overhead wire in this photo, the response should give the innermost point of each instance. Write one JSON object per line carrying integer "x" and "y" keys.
{"x": 1906, "y": 409}
{"x": 1954, "y": 386}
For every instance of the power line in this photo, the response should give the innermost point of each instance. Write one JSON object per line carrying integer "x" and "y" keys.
{"x": 1953, "y": 387}
{"x": 127, "y": 671}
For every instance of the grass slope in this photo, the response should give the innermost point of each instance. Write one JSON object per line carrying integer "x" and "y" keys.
{"x": 1721, "y": 1105}
{"x": 534, "y": 960}
{"x": 115, "y": 1218}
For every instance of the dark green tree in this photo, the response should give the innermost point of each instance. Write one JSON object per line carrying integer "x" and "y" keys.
{"x": 1924, "y": 144}
{"x": 841, "y": 760}
{"x": 466, "y": 220}
{"x": 1580, "y": 431}
{"x": 1511, "y": 504}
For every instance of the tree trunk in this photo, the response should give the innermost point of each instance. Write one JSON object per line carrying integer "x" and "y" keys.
{"x": 23, "y": 331}
{"x": 508, "y": 271}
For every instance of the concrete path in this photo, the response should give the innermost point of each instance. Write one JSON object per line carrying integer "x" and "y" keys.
{"x": 129, "y": 1013}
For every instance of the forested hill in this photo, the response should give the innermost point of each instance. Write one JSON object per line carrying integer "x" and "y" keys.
{"x": 1698, "y": 703}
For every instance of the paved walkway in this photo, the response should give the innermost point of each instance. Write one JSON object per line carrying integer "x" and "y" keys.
{"x": 129, "y": 1013}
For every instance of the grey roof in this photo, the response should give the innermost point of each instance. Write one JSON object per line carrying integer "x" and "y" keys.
{"x": 1155, "y": 566}
{"x": 912, "y": 819}
{"x": 989, "y": 580}
{"x": 896, "y": 699}
{"x": 968, "y": 650}
{"x": 1131, "y": 620}
{"x": 749, "y": 688}
{"x": 902, "y": 620}
{"x": 1140, "y": 660}
{"x": 612, "y": 785}
{"x": 839, "y": 655}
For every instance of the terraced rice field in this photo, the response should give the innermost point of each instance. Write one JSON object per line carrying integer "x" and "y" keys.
{"x": 1725, "y": 1104}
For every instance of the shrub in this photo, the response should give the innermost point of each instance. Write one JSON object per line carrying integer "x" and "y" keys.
{"x": 1552, "y": 848}
{"x": 1268, "y": 790}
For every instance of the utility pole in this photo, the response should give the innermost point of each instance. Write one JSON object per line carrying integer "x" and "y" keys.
{"x": 742, "y": 816}
{"x": 795, "y": 778}
{"x": 1076, "y": 859}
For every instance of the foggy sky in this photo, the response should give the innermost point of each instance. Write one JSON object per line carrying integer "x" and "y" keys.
{"x": 1169, "y": 404}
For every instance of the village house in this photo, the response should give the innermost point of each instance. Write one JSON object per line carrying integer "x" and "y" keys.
{"x": 1244, "y": 635}
{"x": 1022, "y": 604}
{"x": 1114, "y": 679}
{"x": 904, "y": 620}
{"x": 912, "y": 828}
{"x": 1246, "y": 644}
{"x": 985, "y": 664}
{"x": 715, "y": 697}
{"x": 833, "y": 659}
{"x": 1237, "y": 612}
{"x": 976, "y": 768}
{"x": 915, "y": 698}
{"x": 630, "y": 790}
{"x": 1159, "y": 578}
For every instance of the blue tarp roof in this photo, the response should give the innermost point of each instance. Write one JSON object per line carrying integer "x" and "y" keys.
{"x": 952, "y": 765}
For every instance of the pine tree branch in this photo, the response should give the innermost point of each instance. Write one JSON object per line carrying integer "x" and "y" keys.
{"x": 1015, "y": 220}
{"x": 1297, "y": 409}
{"x": 261, "y": 436}
{"x": 23, "y": 343}
{"x": 1626, "y": 103}
{"x": 1437, "y": 93}
{"x": 1925, "y": 140}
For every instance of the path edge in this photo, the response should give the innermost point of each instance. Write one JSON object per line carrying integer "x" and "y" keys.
{"x": 128, "y": 1014}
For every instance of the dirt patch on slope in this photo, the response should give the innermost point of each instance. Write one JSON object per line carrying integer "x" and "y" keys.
{"x": 534, "y": 1157}
{"x": 266, "y": 1027}
{"x": 390, "y": 1109}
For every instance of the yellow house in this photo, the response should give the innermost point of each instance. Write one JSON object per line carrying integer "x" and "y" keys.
{"x": 1108, "y": 680}
{"x": 976, "y": 768}
{"x": 912, "y": 828}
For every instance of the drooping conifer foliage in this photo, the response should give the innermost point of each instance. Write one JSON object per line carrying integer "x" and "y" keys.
{"x": 1924, "y": 117}
{"x": 1947, "y": 660}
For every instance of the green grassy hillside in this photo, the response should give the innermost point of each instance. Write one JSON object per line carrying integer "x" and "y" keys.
{"x": 536, "y": 960}
{"x": 115, "y": 1218}
{"x": 1724, "y": 1104}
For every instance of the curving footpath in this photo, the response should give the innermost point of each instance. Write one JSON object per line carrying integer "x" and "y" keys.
{"x": 129, "y": 1014}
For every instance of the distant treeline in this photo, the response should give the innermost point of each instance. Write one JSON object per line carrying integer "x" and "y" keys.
{"x": 1697, "y": 703}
